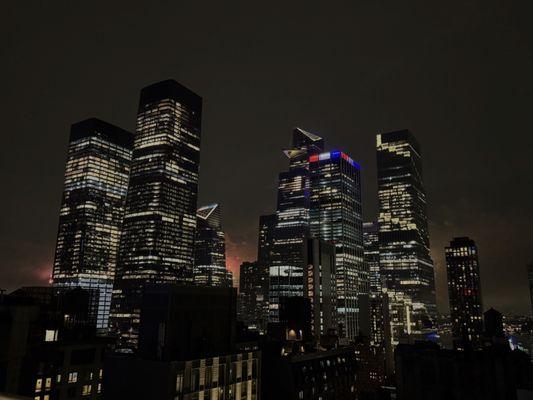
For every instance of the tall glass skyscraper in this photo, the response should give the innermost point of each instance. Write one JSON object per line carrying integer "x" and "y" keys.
{"x": 210, "y": 249}
{"x": 292, "y": 223}
{"x": 336, "y": 217}
{"x": 159, "y": 226}
{"x": 405, "y": 262}
{"x": 464, "y": 288}
{"x": 92, "y": 208}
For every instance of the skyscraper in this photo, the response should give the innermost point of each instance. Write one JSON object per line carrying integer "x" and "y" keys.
{"x": 265, "y": 243}
{"x": 210, "y": 249}
{"x": 92, "y": 208}
{"x": 320, "y": 285}
{"x": 380, "y": 327}
{"x": 254, "y": 278}
{"x": 405, "y": 263}
{"x": 371, "y": 251}
{"x": 464, "y": 288}
{"x": 336, "y": 217}
{"x": 253, "y": 296}
{"x": 292, "y": 225}
{"x": 530, "y": 279}
{"x": 157, "y": 241}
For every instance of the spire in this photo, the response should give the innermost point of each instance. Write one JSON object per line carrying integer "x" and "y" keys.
{"x": 311, "y": 136}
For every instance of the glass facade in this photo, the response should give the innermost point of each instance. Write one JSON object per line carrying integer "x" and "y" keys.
{"x": 336, "y": 217}
{"x": 464, "y": 289}
{"x": 92, "y": 208}
{"x": 405, "y": 264}
{"x": 157, "y": 243}
{"x": 210, "y": 249}
{"x": 292, "y": 225}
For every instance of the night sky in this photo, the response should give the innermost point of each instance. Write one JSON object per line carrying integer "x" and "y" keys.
{"x": 459, "y": 75}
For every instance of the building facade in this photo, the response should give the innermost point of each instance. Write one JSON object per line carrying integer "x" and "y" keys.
{"x": 157, "y": 243}
{"x": 336, "y": 217}
{"x": 327, "y": 375}
{"x": 265, "y": 242}
{"x": 530, "y": 280}
{"x": 231, "y": 376}
{"x": 371, "y": 251}
{"x": 186, "y": 349}
{"x": 320, "y": 285}
{"x": 210, "y": 249}
{"x": 92, "y": 208}
{"x": 49, "y": 348}
{"x": 425, "y": 371}
{"x": 464, "y": 289}
{"x": 292, "y": 221}
{"x": 253, "y": 296}
{"x": 379, "y": 313}
{"x": 405, "y": 263}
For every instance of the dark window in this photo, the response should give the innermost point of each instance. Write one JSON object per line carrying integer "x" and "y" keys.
{"x": 85, "y": 356}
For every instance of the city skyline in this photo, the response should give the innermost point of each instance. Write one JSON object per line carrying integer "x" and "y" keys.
{"x": 483, "y": 205}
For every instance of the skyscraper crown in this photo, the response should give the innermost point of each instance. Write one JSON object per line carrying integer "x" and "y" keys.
{"x": 211, "y": 214}
{"x": 170, "y": 89}
{"x": 94, "y": 127}
{"x": 304, "y": 139}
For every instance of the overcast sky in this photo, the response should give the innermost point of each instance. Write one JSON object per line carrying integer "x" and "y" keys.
{"x": 458, "y": 74}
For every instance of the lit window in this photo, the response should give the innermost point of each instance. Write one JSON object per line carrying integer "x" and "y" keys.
{"x": 48, "y": 383}
{"x": 72, "y": 377}
{"x": 50, "y": 335}
{"x": 179, "y": 383}
{"x": 38, "y": 385}
{"x": 86, "y": 390}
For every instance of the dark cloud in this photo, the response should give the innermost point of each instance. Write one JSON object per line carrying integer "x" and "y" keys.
{"x": 458, "y": 74}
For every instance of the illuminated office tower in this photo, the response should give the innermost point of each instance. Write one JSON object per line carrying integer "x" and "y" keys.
{"x": 405, "y": 264}
{"x": 210, "y": 249}
{"x": 371, "y": 249}
{"x": 292, "y": 226}
{"x": 464, "y": 288}
{"x": 92, "y": 208}
{"x": 159, "y": 226}
{"x": 336, "y": 217}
